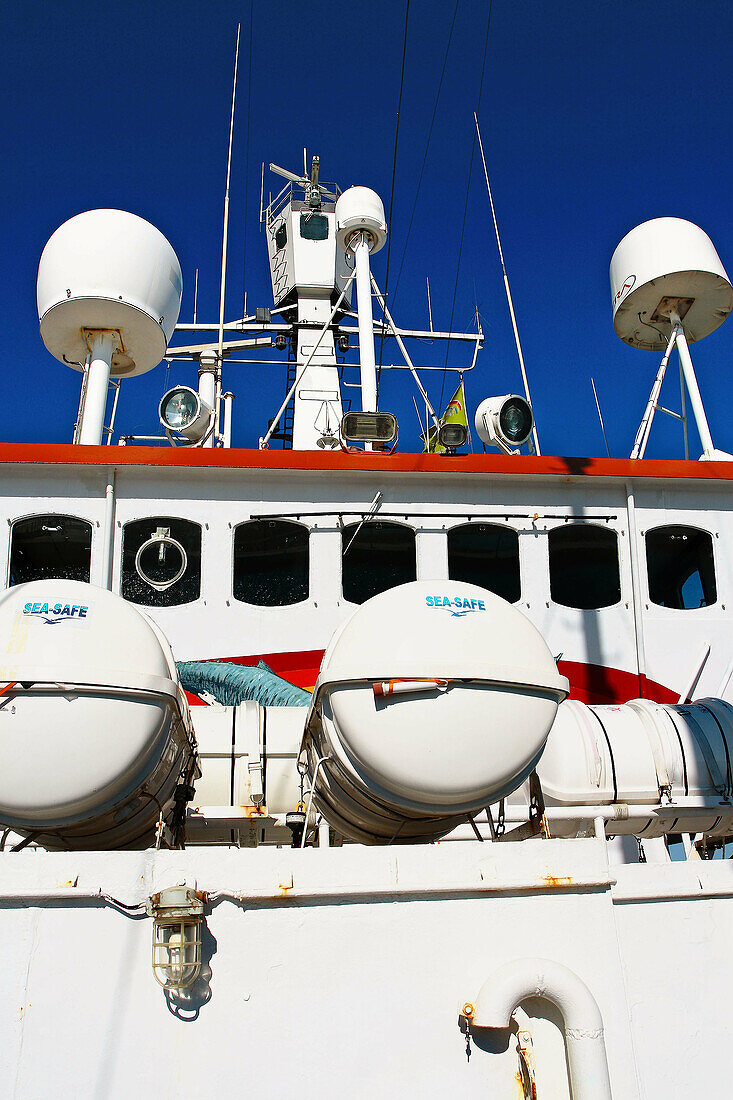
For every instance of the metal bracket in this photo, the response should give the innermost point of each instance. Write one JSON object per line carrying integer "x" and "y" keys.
{"x": 537, "y": 824}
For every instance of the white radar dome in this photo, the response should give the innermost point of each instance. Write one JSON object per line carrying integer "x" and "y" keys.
{"x": 109, "y": 270}
{"x": 360, "y": 210}
{"x": 434, "y": 700}
{"x": 96, "y": 733}
{"x": 663, "y": 266}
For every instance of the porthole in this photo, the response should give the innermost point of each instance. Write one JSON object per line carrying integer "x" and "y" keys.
{"x": 161, "y": 561}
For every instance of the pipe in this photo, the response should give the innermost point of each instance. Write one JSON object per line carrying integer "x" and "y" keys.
{"x": 367, "y": 364}
{"x": 514, "y": 982}
{"x": 102, "y": 345}
{"x": 636, "y": 597}
{"x": 209, "y": 387}
{"x": 227, "y": 399}
{"x": 109, "y": 531}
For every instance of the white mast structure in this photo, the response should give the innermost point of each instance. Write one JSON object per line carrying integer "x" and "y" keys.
{"x": 319, "y": 244}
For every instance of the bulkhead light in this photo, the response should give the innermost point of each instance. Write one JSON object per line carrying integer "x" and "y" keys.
{"x": 453, "y": 435}
{"x": 369, "y": 427}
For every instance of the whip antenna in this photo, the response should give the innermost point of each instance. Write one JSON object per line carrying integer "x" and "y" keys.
{"x": 535, "y": 440}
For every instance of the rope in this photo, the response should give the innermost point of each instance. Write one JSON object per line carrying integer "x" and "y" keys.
{"x": 391, "y": 196}
{"x": 465, "y": 207}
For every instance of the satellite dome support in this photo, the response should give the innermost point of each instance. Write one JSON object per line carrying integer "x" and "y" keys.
{"x": 367, "y": 359}
{"x": 103, "y": 343}
{"x": 668, "y": 287}
{"x": 698, "y": 409}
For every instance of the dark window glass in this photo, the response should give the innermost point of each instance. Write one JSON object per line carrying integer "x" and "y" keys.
{"x": 381, "y": 556}
{"x": 314, "y": 227}
{"x": 161, "y": 561}
{"x": 281, "y": 237}
{"x": 584, "y": 570}
{"x": 50, "y": 546}
{"x": 270, "y": 563}
{"x": 679, "y": 562}
{"x": 485, "y": 554}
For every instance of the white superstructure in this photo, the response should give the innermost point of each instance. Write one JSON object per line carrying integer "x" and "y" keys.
{"x": 423, "y": 762}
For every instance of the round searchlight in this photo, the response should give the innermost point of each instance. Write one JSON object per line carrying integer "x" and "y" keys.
{"x": 434, "y": 700}
{"x": 181, "y": 410}
{"x": 504, "y": 422}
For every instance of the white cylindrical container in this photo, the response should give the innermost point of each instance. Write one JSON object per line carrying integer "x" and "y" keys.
{"x": 96, "y": 733}
{"x": 109, "y": 270}
{"x": 405, "y": 765}
{"x": 644, "y": 754}
{"x": 661, "y": 263}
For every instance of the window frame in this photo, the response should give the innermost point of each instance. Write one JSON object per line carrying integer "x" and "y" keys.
{"x": 146, "y": 607}
{"x": 384, "y": 523}
{"x": 591, "y": 521}
{"x": 659, "y": 607}
{"x": 272, "y": 519}
{"x": 481, "y": 522}
{"x": 60, "y": 515}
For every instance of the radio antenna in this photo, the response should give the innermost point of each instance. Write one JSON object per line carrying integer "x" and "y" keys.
{"x": 225, "y": 234}
{"x": 598, "y": 406}
{"x": 535, "y": 440}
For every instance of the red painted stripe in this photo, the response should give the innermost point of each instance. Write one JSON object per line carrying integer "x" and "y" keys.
{"x": 588, "y": 683}
{"x": 524, "y": 465}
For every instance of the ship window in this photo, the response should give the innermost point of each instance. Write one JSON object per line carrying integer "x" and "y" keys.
{"x": 50, "y": 546}
{"x": 161, "y": 561}
{"x": 485, "y": 554}
{"x": 281, "y": 236}
{"x": 584, "y": 571}
{"x": 314, "y": 227}
{"x": 375, "y": 557}
{"x": 679, "y": 562}
{"x": 271, "y": 563}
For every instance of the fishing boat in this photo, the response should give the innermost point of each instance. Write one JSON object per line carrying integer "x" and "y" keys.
{"x": 328, "y": 766}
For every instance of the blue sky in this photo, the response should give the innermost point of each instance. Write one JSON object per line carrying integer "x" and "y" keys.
{"x": 595, "y": 117}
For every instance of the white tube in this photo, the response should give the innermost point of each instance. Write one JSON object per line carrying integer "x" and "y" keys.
{"x": 514, "y": 982}
{"x": 102, "y": 346}
{"x": 109, "y": 531}
{"x": 227, "y": 398}
{"x": 698, "y": 408}
{"x": 366, "y": 325}
{"x": 208, "y": 386}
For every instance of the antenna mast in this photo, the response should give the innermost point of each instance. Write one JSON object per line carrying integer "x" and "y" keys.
{"x": 535, "y": 440}
{"x": 213, "y": 379}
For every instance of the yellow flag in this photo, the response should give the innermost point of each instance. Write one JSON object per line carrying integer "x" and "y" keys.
{"x": 455, "y": 413}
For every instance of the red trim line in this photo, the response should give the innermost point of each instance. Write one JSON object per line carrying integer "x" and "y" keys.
{"x": 524, "y": 465}
{"x": 588, "y": 683}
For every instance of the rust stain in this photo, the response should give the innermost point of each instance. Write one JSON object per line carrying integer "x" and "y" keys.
{"x": 285, "y": 886}
{"x": 552, "y": 881}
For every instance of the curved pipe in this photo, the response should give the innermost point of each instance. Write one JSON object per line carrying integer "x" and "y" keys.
{"x": 514, "y": 982}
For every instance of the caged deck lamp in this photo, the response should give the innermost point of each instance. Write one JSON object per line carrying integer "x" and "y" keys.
{"x": 178, "y": 915}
